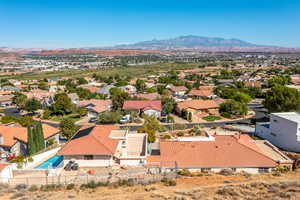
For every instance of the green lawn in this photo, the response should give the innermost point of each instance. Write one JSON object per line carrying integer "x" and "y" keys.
{"x": 74, "y": 116}
{"x": 211, "y": 118}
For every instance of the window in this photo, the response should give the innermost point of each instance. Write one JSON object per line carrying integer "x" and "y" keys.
{"x": 233, "y": 169}
{"x": 263, "y": 170}
{"x": 88, "y": 157}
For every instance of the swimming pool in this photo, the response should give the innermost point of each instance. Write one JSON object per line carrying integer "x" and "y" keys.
{"x": 53, "y": 162}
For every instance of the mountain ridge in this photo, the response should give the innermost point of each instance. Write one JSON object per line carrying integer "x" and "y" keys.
{"x": 192, "y": 41}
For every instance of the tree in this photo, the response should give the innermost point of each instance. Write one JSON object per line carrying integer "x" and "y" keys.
{"x": 121, "y": 83}
{"x": 168, "y": 104}
{"x": 68, "y": 128}
{"x": 81, "y": 81}
{"x": 110, "y": 117}
{"x": 151, "y": 126}
{"x": 118, "y": 97}
{"x": 32, "y": 105}
{"x": 46, "y": 114}
{"x": 233, "y": 108}
{"x": 140, "y": 85}
{"x": 282, "y": 99}
{"x": 279, "y": 80}
{"x": 42, "y": 85}
{"x": 19, "y": 99}
{"x": 82, "y": 111}
{"x": 242, "y": 97}
{"x": 62, "y": 105}
{"x": 35, "y": 136}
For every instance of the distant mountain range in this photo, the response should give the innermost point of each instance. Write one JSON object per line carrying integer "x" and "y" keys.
{"x": 191, "y": 41}
{"x": 181, "y": 43}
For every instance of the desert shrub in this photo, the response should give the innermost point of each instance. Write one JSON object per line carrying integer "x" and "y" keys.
{"x": 179, "y": 126}
{"x": 21, "y": 187}
{"x": 226, "y": 114}
{"x": 184, "y": 172}
{"x": 180, "y": 134}
{"x": 166, "y": 137}
{"x": 226, "y": 172}
{"x": 18, "y": 195}
{"x": 92, "y": 185}
{"x": 282, "y": 168}
{"x": 124, "y": 182}
{"x": 70, "y": 186}
{"x": 33, "y": 188}
{"x": 168, "y": 182}
{"x": 50, "y": 187}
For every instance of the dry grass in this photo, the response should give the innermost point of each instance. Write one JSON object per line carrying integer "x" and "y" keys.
{"x": 215, "y": 187}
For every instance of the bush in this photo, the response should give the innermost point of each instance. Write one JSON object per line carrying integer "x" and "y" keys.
{"x": 168, "y": 182}
{"x": 33, "y": 188}
{"x": 226, "y": 172}
{"x": 70, "y": 186}
{"x": 180, "y": 134}
{"x": 226, "y": 114}
{"x": 166, "y": 137}
{"x": 179, "y": 126}
{"x": 184, "y": 172}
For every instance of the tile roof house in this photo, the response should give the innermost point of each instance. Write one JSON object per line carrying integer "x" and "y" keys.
{"x": 92, "y": 89}
{"x": 149, "y": 107}
{"x": 178, "y": 90}
{"x": 253, "y": 83}
{"x": 237, "y": 152}
{"x": 295, "y": 79}
{"x": 202, "y": 93}
{"x": 105, "y": 90}
{"x": 46, "y": 98}
{"x": 104, "y": 145}
{"x": 6, "y": 100}
{"x": 95, "y": 106}
{"x": 13, "y": 140}
{"x": 198, "y": 108}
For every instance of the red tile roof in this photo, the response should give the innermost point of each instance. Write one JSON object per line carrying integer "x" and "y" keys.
{"x": 225, "y": 151}
{"x": 98, "y": 105}
{"x": 93, "y": 140}
{"x": 197, "y": 104}
{"x": 201, "y": 93}
{"x": 178, "y": 88}
{"x": 2, "y": 166}
{"x": 142, "y": 105}
{"x": 11, "y": 134}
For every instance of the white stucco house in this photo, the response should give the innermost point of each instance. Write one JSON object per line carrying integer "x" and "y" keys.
{"x": 104, "y": 146}
{"x": 148, "y": 107}
{"x": 5, "y": 173}
{"x": 283, "y": 130}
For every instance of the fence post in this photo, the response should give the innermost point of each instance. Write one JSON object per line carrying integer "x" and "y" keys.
{"x": 87, "y": 179}
{"x": 27, "y": 181}
{"x": 46, "y": 180}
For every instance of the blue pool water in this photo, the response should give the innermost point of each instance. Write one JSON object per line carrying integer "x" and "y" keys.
{"x": 52, "y": 162}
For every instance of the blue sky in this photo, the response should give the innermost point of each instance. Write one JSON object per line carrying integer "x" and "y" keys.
{"x": 87, "y": 23}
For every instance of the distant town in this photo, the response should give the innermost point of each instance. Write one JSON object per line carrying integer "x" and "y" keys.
{"x": 84, "y": 117}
